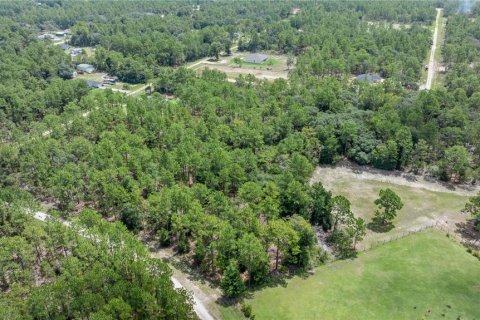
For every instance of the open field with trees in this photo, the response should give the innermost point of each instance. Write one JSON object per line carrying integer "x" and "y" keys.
{"x": 411, "y": 278}
{"x": 422, "y": 208}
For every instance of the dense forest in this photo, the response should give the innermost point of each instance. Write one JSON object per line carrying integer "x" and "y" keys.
{"x": 101, "y": 272}
{"x": 221, "y": 171}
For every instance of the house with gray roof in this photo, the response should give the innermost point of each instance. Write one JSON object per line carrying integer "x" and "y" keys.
{"x": 85, "y": 68}
{"x": 255, "y": 58}
{"x": 369, "y": 77}
{"x": 94, "y": 84}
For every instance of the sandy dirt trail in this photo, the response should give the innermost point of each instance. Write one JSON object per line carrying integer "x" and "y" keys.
{"x": 432, "y": 63}
{"x": 352, "y": 171}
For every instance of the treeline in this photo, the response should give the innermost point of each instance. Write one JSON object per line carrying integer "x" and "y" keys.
{"x": 135, "y": 39}
{"x": 49, "y": 271}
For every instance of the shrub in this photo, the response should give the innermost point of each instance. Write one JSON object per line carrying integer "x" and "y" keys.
{"x": 246, "y": 309}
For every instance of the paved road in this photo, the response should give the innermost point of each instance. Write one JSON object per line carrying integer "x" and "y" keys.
{"x": 198, "y": 306}
{"x": 432, "y": 62}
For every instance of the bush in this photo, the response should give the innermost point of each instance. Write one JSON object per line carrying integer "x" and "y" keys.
{"x": 163, "y": 237}
{"x": 183, "y": 245}
{"x": 246, "y": 309}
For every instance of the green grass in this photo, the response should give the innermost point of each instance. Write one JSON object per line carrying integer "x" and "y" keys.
{"x": 270, "y": 62}
{"x": 96, "y": 76}
{"x": 403, "y": 279}
{"x": 441, "y": 35}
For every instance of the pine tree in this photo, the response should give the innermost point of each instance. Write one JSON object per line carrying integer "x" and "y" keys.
{"x": 232, "y": 284}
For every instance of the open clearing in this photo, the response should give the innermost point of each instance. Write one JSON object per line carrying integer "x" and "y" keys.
{"x": 425, "y": 203}
{"x": 119, "y": 86}
{"x": 275, "y": 67}
{"x": 425, "y": 275}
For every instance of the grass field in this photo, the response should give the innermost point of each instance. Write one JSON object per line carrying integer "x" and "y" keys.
{"x": 425, "y": 275}
{"x": 422, "y": 207}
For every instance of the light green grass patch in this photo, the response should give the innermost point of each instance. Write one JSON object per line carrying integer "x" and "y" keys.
{"x": 95, "y": 76}
{"x": 423, "y": 275}
{"x": 422, "y": 207}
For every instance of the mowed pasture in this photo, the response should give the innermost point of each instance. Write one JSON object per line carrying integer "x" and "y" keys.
{"x": 275, "y": 67}
{"x": 425, "y": 204}
{"x": 422, "y": 276}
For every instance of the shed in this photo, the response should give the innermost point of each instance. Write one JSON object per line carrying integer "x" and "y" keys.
{"x": 369, "y": 77}
{"x": 255, "y": 58}
{"x": 85, "y": 68}
{"x": 94, "y": 84}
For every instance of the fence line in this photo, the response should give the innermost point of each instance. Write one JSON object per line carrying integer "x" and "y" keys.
{"x": 436, "y": 225}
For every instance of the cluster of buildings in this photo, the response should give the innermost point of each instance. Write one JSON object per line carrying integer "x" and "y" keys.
{"x": 106, "y": 80}
{"x": 76, "y": 51}
{"x": 55, "y": 36}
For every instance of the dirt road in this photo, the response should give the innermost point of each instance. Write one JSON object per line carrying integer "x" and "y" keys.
{"x": 349, "y": 170}
{"x": 432, "y": 63}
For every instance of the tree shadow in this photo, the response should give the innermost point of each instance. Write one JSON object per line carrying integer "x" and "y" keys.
{"x": 229, "y": 302}
{"x": 378, "y": 226}
{"x": 469, "y": 234}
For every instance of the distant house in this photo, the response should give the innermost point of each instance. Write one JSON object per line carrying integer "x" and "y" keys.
{"x": 46, "y": 36}
{"x": 85, "y": 68}
{"x": 255, "y": 58}
{"x": 109, "y": 79}
{"x": 94, "y": 84}
{"x": 60, "y": 33}
{"x": 76, "y": 51}
{"x": 369, "y": 77}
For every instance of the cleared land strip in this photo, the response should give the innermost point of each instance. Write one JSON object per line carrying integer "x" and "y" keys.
{"x": 432, "y": 63}
{"x": 348, "y": 170}
{"x": 198, "y": 305}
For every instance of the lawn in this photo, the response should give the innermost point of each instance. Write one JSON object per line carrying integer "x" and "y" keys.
{"x": 272, "y": 61}
{"x": 422, "y": 275}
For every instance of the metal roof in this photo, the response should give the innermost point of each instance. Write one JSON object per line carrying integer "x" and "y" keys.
{"x": 255, "y": 58}
{"x": 369, "y": 77}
